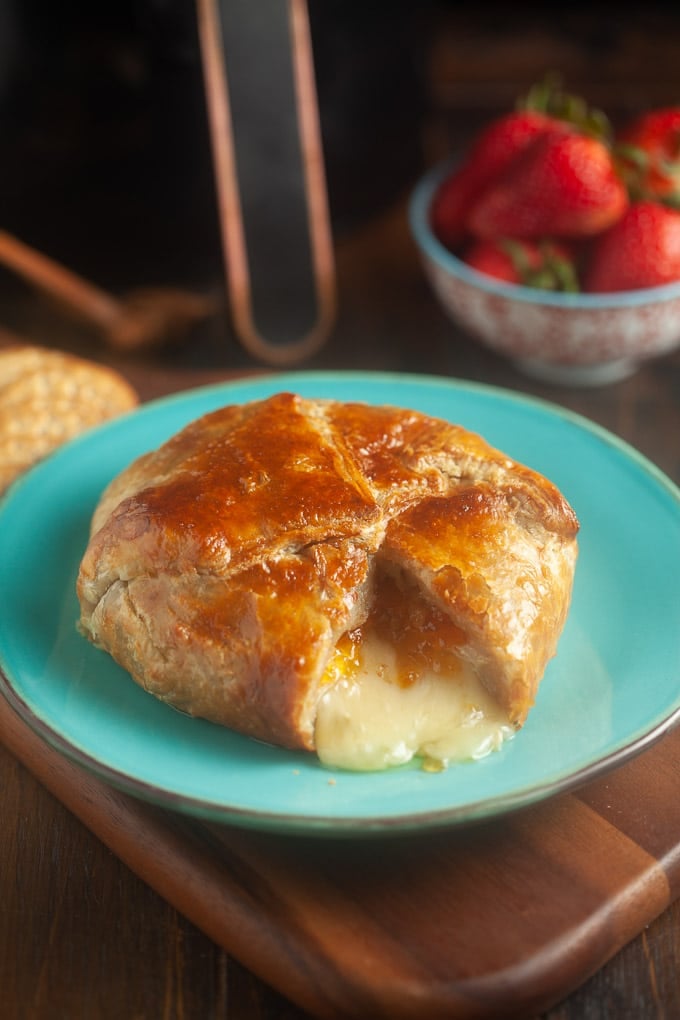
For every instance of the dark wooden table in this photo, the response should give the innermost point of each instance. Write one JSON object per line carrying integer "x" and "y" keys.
{"x": 81, "y": 936}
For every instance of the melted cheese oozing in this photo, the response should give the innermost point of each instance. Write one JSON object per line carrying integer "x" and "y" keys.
{"x": 396, "y": 689}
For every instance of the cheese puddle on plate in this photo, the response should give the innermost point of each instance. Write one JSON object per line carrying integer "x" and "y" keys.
{"x": 396, "y": 688}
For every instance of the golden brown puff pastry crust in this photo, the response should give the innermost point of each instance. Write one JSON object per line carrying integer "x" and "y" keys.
{"x": 223, "y": 567}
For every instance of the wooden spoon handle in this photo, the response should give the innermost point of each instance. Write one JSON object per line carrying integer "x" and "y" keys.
{"x": 80, "y": 296}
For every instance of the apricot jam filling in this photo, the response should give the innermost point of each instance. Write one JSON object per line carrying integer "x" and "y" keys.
{"x": 396, "y": 688}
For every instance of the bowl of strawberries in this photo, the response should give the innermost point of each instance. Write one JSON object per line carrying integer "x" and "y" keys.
{"x": 556, "y": 239}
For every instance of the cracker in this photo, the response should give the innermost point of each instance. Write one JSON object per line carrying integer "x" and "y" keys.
{"x": 48, "y": 397}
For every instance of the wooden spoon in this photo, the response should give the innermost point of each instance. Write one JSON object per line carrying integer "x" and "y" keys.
{"x": 144, "y": 318}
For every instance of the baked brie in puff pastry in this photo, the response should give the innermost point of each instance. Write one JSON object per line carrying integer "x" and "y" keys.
{"x": 366, "y": 582}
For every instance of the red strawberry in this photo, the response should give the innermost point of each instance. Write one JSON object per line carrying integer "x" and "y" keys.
{"x": 545, "y": 265}
{"x": 563, "y": 184}
{"x": 649, "y": 154}
{"x": 641, "y": 250}
{"x": 491, "y": 152}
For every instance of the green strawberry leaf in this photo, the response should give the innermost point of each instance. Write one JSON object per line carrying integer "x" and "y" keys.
{"x": 549, "y": 96}
{"x": 553, "y": 272}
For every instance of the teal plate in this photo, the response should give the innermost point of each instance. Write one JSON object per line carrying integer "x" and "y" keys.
{"x": 612, "y": 689}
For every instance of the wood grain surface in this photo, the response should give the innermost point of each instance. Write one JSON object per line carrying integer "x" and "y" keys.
{"x": 497, "y": 920}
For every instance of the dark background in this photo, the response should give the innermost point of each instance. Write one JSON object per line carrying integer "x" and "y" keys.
{"x": 106, "y": 162}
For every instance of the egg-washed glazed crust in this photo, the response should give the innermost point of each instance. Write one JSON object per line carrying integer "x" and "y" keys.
{"x": 223, "y": 567}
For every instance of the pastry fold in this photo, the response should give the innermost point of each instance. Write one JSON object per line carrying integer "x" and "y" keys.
{"x": 224, "y": 567}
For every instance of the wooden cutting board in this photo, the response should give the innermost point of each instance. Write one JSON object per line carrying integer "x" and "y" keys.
{"x": 504, "y": 918}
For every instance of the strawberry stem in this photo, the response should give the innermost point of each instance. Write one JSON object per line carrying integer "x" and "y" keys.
{"x": 553, "y": 272}
{"x": 549, "y": 96}
{"x": 634, "y": 164}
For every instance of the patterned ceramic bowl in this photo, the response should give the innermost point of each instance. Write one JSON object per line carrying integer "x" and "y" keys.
{"x": 579, "y": 339}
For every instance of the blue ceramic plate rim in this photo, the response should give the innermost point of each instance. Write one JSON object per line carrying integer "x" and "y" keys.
{"x": 419, "y": 220}
{"x": 278, "y": 790}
